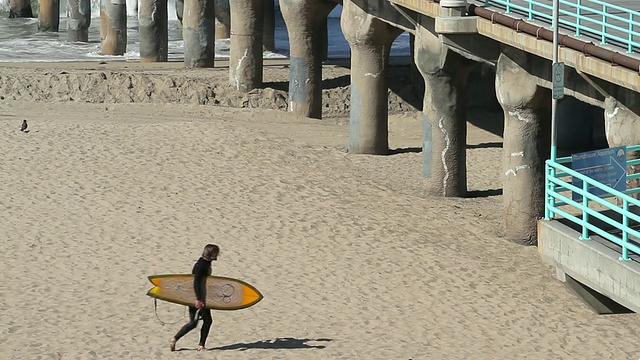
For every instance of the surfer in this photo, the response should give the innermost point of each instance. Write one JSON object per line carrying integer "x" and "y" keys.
{"x": 201, "y": 270}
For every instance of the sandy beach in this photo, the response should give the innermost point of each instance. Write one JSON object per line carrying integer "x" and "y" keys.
{"x": 355, "y": 261}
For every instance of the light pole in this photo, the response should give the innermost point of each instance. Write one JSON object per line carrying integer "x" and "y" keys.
{"x": 557, "y": 93}
{"x": 557, "y": 75}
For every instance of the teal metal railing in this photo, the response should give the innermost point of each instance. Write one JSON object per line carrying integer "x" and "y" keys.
{"x": 612, "y": 24}
{"x": 558, "y": 202}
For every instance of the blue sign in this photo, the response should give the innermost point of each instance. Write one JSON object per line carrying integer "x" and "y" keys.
{"x": 606, "y": 166}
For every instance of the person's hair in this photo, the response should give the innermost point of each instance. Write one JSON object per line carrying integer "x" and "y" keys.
{"x": 210, "y": 250}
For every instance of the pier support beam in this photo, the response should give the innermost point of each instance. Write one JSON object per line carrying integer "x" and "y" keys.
{"x": 305, "y": 21}
{"x": 20, "y": 9}
{"x": 527, "y": 140}
{"x": 154, "y": 36}
{"x": 79, "y": 13}
{"x": 223, "y": 19}
{"x": 245, "y": 55}
{"x": 180, "y": 10}
{"x": 49, "y": 15}
{"x": 269, "y": 25}
{"x": 444, "y": 127}
{"x": 370, "y": 41}
{"x": 324, "y": 45}
{"x": 113, "y": 27}
{"x": 198, "y": 32}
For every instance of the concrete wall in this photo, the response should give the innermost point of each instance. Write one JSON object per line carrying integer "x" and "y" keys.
{"x": 592, "y": 264}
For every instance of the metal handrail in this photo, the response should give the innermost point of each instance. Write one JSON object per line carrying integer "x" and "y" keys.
{"x": 594, "y": 17}
{"x": 557, "y": 187}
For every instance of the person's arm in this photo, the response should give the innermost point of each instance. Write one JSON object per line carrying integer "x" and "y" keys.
{"x": 200, "y": 273}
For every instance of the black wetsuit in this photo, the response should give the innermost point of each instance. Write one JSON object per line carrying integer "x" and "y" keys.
{"x": 200, "y": 271}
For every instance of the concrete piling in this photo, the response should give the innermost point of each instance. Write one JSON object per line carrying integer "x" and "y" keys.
{"x": 246, "y": 55}
{"x": 444, "y": 127}
{"x": 49, "y": 15}
{"x": 527, "y": 140}
{"x": 198, "y": 32}
{"x": 621, "y": 122}
{"x": 269, "y": 25}
{"x": 621, "y": 128}
{"x": 417, "y": 81}
{"x": 79, "y": 20}
{"x": 223, "y": 19}
{"x": 20, "y": 9}
{"x": 305, "y": 21}
{"x": 153, "y": 25}
{"x": 113, "y": 27}
{"x": 180, "y": 10}
{"x": 370, "y": 41}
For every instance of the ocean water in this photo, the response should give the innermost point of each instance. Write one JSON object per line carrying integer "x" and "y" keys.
{"x": 20, "y": 40}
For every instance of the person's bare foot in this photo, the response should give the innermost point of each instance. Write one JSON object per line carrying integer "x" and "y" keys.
{"x": 172, "y": 344}
{"x": 201, "y": 348}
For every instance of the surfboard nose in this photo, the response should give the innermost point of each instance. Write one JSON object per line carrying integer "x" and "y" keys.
{"x": 251, "y": 296}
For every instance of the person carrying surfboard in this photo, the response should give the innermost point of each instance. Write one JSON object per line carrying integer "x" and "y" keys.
{"x": 201, "y": 270}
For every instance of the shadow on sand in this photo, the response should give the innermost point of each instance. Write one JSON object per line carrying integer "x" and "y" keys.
{"x": 404, "y": 150}
{"x": 279, "y": 343}
{"x": 483, "y": 193}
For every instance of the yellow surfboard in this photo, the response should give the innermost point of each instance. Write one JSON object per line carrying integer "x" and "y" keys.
{"x": 223, "y": 293}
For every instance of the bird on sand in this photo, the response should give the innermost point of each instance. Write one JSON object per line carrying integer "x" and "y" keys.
{"x": 24, "y": 125}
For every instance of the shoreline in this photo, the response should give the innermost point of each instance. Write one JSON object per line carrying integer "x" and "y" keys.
{"x": 174, "y": 64}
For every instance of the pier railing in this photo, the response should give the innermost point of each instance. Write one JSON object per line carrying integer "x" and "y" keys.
{"x": 611, "y": 24}
{"x": 559, "y": 202}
